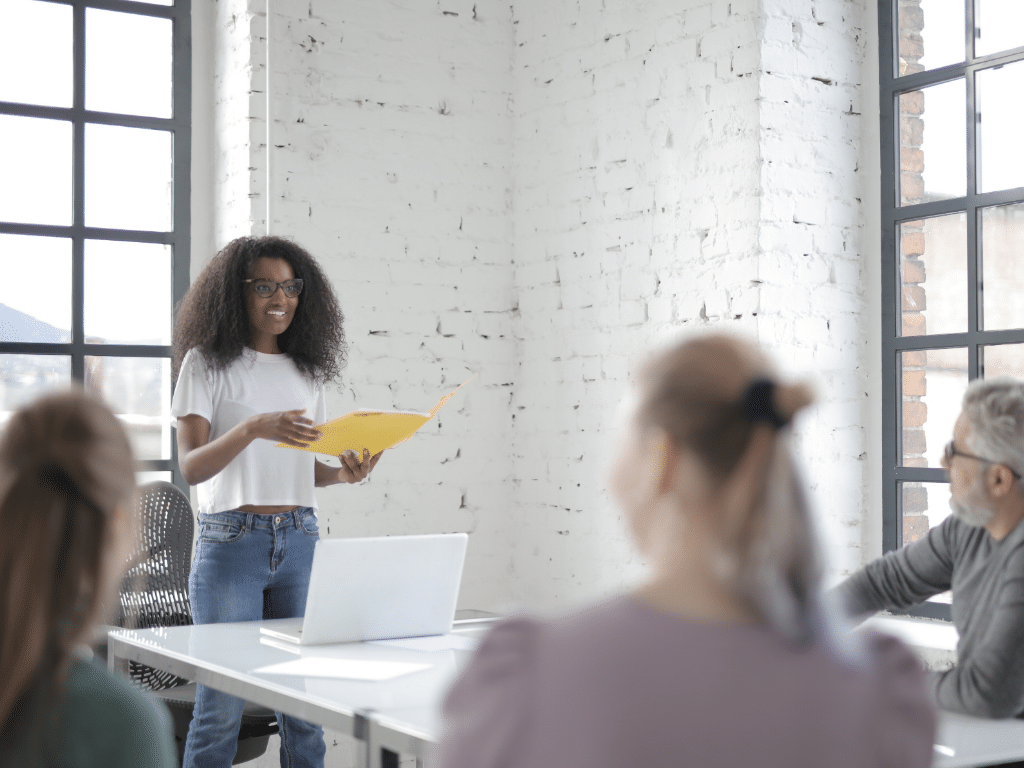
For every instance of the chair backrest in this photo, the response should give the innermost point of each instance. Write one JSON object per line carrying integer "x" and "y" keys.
{"x": 154, "y": 592}
{"x": 155, "y": 588}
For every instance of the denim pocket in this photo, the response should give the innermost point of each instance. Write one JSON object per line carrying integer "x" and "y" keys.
{"x": 219, "y": 531}
{"x": 309, "y": 526}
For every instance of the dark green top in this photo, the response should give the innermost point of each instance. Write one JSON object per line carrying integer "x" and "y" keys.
{"x": 103, "y": 722}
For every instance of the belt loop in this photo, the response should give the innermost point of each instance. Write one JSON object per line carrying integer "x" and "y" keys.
{"x": 295, "y": 517}
{"x": 249, "y": 521}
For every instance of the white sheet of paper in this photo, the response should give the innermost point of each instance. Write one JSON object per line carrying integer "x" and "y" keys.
{"x": 432, "y": 643}
{"x": 349, "y": 669}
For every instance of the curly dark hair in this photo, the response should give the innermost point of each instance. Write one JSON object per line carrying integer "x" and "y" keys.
{"x": 212, "y": 316}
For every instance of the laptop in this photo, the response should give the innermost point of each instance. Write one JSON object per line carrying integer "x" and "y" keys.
{"x": 378, "y": 588}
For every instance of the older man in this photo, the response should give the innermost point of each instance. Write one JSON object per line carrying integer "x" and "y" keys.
{"x": 978, "y": 552}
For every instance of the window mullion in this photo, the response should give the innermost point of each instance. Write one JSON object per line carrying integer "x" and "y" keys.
{"x": 78, "y": 200}
{"x": 970, "y": 30}
{"x": 974, "y": 287}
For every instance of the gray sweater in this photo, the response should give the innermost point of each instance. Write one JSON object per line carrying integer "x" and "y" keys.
{"x": 987, "y": 580}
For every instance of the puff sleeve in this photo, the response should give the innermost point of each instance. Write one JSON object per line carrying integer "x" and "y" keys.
{"x": 486, "y": 712}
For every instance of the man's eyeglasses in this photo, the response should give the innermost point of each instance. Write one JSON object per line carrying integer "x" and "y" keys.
{"x": 951, "y": 450}
{"x": 267, "y": 288}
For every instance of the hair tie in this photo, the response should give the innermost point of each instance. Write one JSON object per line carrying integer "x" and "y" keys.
{"x": 758, "y": 406}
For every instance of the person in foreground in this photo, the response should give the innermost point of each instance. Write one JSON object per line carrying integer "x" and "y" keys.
{"x": 978, "y": 552}
{"x": 257, "y": 337}
{"x": 724, "y": 657}
{"x": 66, "y": 486}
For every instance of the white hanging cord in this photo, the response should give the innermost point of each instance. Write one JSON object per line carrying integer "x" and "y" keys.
{"x": 270, "y": 123}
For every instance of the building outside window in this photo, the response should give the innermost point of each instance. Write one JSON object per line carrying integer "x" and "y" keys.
{"x": 952, "y": 72}
{"x": 95, "y": 132}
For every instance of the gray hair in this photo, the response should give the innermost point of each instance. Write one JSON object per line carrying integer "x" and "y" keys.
{"x": 995, "y": 411}
{"x": 779, "y": 575}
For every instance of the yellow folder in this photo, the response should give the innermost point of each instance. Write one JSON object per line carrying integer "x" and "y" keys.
{"x": 372, "y": 430}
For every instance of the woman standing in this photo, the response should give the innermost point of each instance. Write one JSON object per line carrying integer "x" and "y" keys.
{"x": 257, "y": 337}
{"x": 67, "y": 478}
{"x": 725, "y": 656}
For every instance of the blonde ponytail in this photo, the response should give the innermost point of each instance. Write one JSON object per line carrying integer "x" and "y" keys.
{"x": 710, "y": 398}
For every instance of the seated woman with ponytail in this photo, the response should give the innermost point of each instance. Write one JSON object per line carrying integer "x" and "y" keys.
{"x": 724, "y": 656}
{"x": 66, "y": 485}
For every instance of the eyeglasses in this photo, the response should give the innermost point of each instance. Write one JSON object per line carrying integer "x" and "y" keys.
{"x": 951, "y": 450}
{"x": 267, "y": 288}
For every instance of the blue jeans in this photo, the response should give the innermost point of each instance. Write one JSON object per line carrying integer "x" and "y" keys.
{"x": 249, "y": 567}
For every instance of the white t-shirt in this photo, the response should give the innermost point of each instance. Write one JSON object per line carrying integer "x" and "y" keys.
{"x": 261, "y": 474}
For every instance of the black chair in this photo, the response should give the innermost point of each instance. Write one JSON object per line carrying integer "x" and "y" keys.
{"x": 155, "y": 594}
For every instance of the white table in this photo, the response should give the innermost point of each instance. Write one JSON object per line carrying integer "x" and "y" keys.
{"x": 225, "y": 657}
{"x": 965, "y": 741}
{"x": 401, "y": 714}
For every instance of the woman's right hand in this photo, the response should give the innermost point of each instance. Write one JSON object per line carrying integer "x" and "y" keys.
{"x": 288, "y": 427}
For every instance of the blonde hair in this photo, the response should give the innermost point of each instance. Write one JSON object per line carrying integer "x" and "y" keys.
{"x": 697, "y": 392}
{"x": 65, "y": 466}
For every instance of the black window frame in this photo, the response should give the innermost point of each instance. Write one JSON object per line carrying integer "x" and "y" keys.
{"x": 179, "y": 238}
{"x": 893, "y": 214}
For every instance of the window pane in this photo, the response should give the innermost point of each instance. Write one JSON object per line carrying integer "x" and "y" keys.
{"x": 1000, "y": 161}
{"x": 933, "y": 275}
{"x": 127, "y": 178}
{"x": 35, "y": 170}
{"x": 153, "y": 2}
{"x": 35, "y": 292}
{"x": 127, "y": 63}
{"x": 925, "y": 505}
{"x": 36, "y": 43}
{"x": 931, "y": 35}
{"x": 138, "y": 389}
{"x": 933, "y": 381}
{"x": 1003, "y": 360}
{"x": 127, "y": 293}
{"x": 933, "y": 143}
{"x": 24, "y": 377}
{"x": 1002, "y": 242}
{"x": 999, "y": 25}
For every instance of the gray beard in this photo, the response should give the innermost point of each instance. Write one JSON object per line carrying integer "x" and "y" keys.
{"x": 973, "y": 510}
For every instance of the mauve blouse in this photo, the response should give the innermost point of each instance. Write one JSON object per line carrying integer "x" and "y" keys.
{"x": 622, "y": 684}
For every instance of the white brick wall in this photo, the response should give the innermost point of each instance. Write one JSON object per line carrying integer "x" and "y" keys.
{"x": 813, "y": 252}
{"x": 538, "y": 193}
{"x": 239, "y": 129}
{"x": 392, "y": 165}
{"x": 679, "y": 167}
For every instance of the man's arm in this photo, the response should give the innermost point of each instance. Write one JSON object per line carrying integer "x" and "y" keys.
{"x": 902, "y": 578}
{"x": 988, "y": 679}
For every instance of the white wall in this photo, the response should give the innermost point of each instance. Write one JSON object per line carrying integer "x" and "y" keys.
{"x": 537, "y": 194}
{"x": 814, "y": 255}
{"x": 871, "y": 318}
{"x": 636, "y": 215}
{"x": 391, "y": 164}
{"x": 678, "y": 167}
{"x": 674, "y": 167}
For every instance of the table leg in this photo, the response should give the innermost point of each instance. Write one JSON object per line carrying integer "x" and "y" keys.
{"x": 376, "y": 755}
{"x": 373, "y": 749}
{"x": 117, "y": 664}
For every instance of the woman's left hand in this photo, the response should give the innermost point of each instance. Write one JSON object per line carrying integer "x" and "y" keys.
{"x": 354, "y": 470}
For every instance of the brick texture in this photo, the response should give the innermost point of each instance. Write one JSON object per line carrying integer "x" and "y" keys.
{"x": 539, "y": 193}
